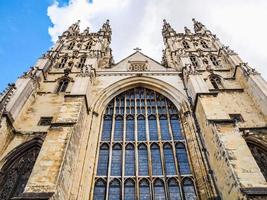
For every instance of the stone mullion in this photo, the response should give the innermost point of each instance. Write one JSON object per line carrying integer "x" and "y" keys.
{"x": 123, "y": 147}
{"x": 110, "y": 147}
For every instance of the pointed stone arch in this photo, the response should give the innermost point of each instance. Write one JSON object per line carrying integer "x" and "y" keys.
{"x": 17, "y": 168}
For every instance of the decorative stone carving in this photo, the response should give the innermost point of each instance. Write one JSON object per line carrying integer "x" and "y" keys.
{"x": 138, "y": 66}
{"x": 248, "y": 70}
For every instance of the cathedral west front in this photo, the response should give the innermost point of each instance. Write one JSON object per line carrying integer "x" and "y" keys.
{"x": 78, "y": 126}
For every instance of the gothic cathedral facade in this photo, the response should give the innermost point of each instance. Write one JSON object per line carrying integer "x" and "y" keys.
{"x": 78, "y": 126}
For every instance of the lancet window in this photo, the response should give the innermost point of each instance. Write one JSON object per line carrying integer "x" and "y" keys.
{"x": 142, "y": 151}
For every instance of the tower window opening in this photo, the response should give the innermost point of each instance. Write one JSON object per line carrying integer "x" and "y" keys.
{"x": 186, "y": 45}
{"x": 89, "y": 45}
{"x": 82, "y": 62}
{"x": 193, "y": 60}
{"x": 70, "y": 47}
{"x": 204, "y": 44}
{"x": 63, "y": 62}
{"x": 214, "y": 60}
{"x": 216, "y": 82}
{"x": 62, "y": 86}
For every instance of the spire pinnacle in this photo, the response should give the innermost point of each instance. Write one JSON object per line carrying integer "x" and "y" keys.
{"x": 198, "y": 26}
{"x": 167, "y": 30}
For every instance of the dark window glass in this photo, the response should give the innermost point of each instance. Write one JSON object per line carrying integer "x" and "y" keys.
{"x": 153, "y": 129}
{"x": 141, "y": 123}
{"x": 169, "y": 160}
{"x": 82, "y": 62}
{"x": 63, "y": 62}
{"x": 156, "y": 161}
{"x": 144, "y": 190}
{"x": 164, "y": 128}
{"x": 114, "y": 190}
{"x": 118, "y": 131}
{"x": 174, "y": 190}
{"x": 159, "y": 191}
{"x": 194, "y": 61}
{"x": 129, "y": 160}
{"x": 107, "y": 128}
{"x": 182, "y": 159}
{"x": 45, "y": 121}
{"x": 100, "y": 190}
{"x": 204, "y": 44}
{"x": 189, "y": 190}
{"x": 214, "y": 60}
{"x": 142, "y": 160}
{"x": 102, "y": 169}
{"x": 129, "y": 190}
{"x": 176, "y": 129}
{"x": 62, "y": 85}
{"x": 130, "y": 128}
{"x": 70, "y": 47}
{"x": 186, "y": 45}
{"x": 116, "y": 160}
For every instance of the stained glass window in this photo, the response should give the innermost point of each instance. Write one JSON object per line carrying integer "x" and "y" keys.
{"x": 129, "y": 160}
{"x": 129, "y": 190}
{"x": 159, "y": 191}
{"x": 142, "y": 160}
{"x": 189, "y": 190}
{"x": 174, "y": 190}
{"x": 100, "y": 190}
{"x": 116, "y": 160}
{"x": 102, "y": 169}
{"x": 139, "y": 149}
{"x": 169, "y": 160}
{"x": 114, "y": 190}
{"x": 182, "y": 159}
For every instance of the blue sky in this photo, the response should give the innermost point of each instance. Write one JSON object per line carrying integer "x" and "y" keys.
{"x": 24, "y": 36}
{"x": 28, "y": 27}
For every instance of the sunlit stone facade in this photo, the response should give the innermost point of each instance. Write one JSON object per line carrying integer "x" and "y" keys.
{"x": 79, "y": 126}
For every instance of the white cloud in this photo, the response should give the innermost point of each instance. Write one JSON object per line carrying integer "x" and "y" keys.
{"x": 239, "y": 24}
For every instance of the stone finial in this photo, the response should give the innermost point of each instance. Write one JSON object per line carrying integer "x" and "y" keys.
{"x": 167, "y": 30}
{"x": 187, "y": 30}
{"x": 198, "y": 26}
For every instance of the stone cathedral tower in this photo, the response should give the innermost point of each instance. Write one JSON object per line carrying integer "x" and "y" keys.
{"x": 79, "y": 126}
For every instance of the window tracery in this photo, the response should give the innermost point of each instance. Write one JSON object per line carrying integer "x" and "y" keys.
{"x": 17, "y": 170}
{"x": 62, "y": 85}
{"x": 148, "y": 157}
{"x": 185, "y": 44}
{"x": 194, "y": 61}
{"x": 214, "y": 60}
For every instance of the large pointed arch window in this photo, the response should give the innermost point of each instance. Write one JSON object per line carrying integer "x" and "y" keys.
{"x": 142, "y": 152}
{"x": 17, "y": 169}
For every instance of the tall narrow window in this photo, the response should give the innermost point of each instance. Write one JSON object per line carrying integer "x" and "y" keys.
{"x": 144, "y": 190}
{"x": 169, "y": 160}
{"x": 107, "y": 128}
{"x": 204, "y": 44}
{"x": 141, "y": 123}
{"x": 144, "y": 143}
{"x": 71, "y": 45}
{"x": 102, "y": 169}
{"x": 129, "y": 160}
{"x": 17, "y": 169}
{"x": 156, "y": 160}
{"x": 118, "y": 131}
{"x": 63, "y": 62}
{"x": 129, "y": 190}
{"x": 82, "y": 62}
{"x": 62, "y": 85}
{"x": 193, "y": 60}
{"x": 153, "y": 129}
{"x": 214, "y": 60}
{"x": 189, "y": 190}
{"x": 89, "y": 45}
{"x": 176, "y": 129}
{"x": 164, "y": 128}
{"x": 159, "y": 191}
{"x": 116, "y": 160}
{"x": 100, "y": 190}
{"x": 174, "y": 190}
{"x": 114, "y": 190}
{"x": 182, "y": 159}
{"x": 130, "y": 128}
{"x": 142, "y": 160}
{"x": 216, "y": 82}
{"x": 186, "y": 45}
